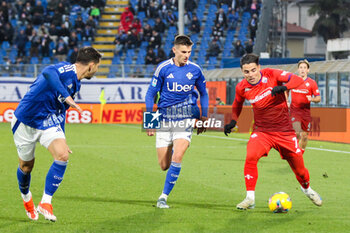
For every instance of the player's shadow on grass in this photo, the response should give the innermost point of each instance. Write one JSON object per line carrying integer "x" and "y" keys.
{"x": 148, "y": 203}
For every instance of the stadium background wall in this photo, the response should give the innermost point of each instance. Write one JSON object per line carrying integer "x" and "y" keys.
{"x": 328, "y": 124}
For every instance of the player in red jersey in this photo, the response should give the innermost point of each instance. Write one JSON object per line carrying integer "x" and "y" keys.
{"x": 301, "y": 97}
{"x": 264, "y": 89}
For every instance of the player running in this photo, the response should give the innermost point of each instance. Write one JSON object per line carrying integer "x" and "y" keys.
{"x": 175, "y": 79}
{"x": 264, "y": 89}
{"x": 301, "y": 97}
{"x": 40, "y": 117}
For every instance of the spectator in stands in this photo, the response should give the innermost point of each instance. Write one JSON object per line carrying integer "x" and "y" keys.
{"x": 73, "y": 55}
{"x": 120, "y": 41}
{"x": 73, "y": 40}
{"x": 159, "y": 25}
{"x": 52, "y": 5}
{"x": 254, "y": 7}
{"x": 171, "y": 19}
{"x": 187, "y": 18}
{"x": 147, "y": 32}
{"x": 53, "y": 32}
{"x": 61, "y": 50}
{"x": 95, "y": 12}
{"x": 62, "y": 9}
{"x": 37, "y": 14}
{"x": 214, "y": 49}
{"x": 155, "y": 40}
{"x": 64, "y": 33}
{"x": 218, "y": 32}
{"x": 7, "y": 32}
{"x": 195, "y": 26}
{"x": 5, "y": 11}
{"x": 238, "y": 49}
{"x": 57, "y": 18}
{"x": 249, "y": 46}
{"x": 163, "y": 9}
{"x": 67, "y": 23}
{"x": 161, "y": 56}
{"x": 221, "y": 18}
{"x": 34, "y": 44}
{"x": 126, "y": 19}
{"x": 24, "y": 16}
{"x": 79, "y": 25}
{"x": 42, "y": 30}
{"x": 190, "y": 5}
{"x": 29, "y": 30}
{"x": 173, "y": 4}
{"x": 45, "y": 45}
{"x": 152, "y": 10}
{"x": 132, "y": 41}
{"x": 20, "y": 43}
{"x": 137, "y": 25}
{"x": 253, "y": 26}
{"x": 99, "y": 3}
{"x": 143, "y": 6}
{"x": 232, "y": 19}
{"x": 91, "y": 22}
{"x": 150, "y": 57}
{"x": 87, "y": 34}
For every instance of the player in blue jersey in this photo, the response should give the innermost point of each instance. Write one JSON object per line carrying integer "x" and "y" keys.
{"x": 40, "y": 117}
{"x": 176, "y": 79}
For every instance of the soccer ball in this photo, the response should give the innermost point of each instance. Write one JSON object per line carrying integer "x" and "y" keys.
{"x": 280, "y": 202}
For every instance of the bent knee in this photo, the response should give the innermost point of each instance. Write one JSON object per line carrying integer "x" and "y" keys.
{"x": 62, "y": 156}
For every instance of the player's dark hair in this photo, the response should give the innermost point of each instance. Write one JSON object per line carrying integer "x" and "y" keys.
{"x": 249, "y": 58}
{"x": 183, "y": 40}
{"x": 87, "y": 55}
{"x": 305, "y": 62}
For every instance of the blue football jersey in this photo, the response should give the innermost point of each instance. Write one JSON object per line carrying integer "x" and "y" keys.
{"x": 43, "y": 105}
{"x": 176, "y": 84}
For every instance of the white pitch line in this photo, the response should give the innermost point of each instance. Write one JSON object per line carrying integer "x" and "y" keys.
{"x": 245, "y": 140}
{"x": 311, "y": 148}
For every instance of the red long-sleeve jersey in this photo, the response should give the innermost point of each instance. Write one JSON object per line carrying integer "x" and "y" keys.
{"x": 270, "y": 112}
{"x": 300, "y": 105}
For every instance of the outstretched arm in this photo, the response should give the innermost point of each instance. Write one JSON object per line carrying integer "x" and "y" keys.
{"x": 55, "y": 83}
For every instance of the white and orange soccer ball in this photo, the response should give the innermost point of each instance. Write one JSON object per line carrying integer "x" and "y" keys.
{"x": 280, "y": 202}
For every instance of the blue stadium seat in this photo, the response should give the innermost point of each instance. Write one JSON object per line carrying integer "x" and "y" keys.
{"x": 46, "y": 61}
{"x": 34, "y": 60}
{"x": 5, "y": 45}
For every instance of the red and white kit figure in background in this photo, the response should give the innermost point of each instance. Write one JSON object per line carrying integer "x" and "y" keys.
{"x": 264, "y": 89}
{"x": 301, "y": 97}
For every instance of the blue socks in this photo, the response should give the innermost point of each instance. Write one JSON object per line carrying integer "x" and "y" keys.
{"x": 54, "y": 176}
{"x": 171, "y": 177}
{"x": 23, "y": 181}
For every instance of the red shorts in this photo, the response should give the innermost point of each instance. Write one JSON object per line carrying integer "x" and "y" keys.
{"x": 286, "y": 143}
{"x": 305, "y": 122}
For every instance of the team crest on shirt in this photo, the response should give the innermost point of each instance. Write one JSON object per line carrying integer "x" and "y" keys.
{"x": 61, "y": 70}
{"x": 70, "y": 86}
{"x": 189, "y": 75}
{"x": 307, "y": 84}
{"x": 247, "y": 89}
{"x": 264, "y": 80}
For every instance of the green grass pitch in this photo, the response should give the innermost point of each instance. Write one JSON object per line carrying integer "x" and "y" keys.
{"x": 113, "y": 181}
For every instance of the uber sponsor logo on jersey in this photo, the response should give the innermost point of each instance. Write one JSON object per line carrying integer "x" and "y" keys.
{"x": 178, "y": 87}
